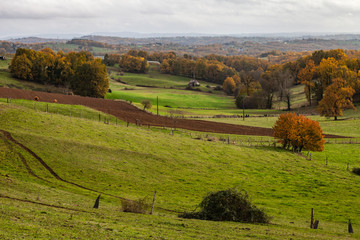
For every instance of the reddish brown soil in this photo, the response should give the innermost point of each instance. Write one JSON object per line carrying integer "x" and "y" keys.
{"x": 127, "y": 112}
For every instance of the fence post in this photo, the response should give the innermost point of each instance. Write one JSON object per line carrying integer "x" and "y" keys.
{"x": 312, "y": 218}
{"x": 153, "y": 203}
{"x": 350, "y": 228}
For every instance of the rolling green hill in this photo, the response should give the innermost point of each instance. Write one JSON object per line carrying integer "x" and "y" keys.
{"x": 90, "y": 157}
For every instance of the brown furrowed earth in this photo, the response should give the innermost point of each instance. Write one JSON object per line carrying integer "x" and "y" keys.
{"x": 130, "y": 113}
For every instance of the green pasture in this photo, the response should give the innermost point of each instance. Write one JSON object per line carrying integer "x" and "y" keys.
{"x": 132, "y": 162}
{"x": 173, "y": 98}
{"x": 156, "y": 79}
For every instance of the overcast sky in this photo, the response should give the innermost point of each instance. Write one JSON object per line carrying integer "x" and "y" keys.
{"x": 31, "y": 17}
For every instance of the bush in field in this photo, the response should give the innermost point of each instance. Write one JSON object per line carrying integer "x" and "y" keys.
{"x": 228, "y": 205}
{"x": 356, "y": 171}
{"x": 147, "y": 104}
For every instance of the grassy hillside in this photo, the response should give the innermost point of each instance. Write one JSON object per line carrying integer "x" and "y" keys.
{"x": 174, "y": 98}
{"x": 6, "y": 80}
{"x": 156, "y": 79}
{"x": 132, "y": 162}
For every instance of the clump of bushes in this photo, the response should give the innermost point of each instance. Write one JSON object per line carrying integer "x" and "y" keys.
{"x": 134, "y": 206}
{"x": 356, "y": 171}
{"x": 228, "y": 205}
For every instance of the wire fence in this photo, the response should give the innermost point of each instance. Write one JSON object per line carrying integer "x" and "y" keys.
{"x": 93, "y": 115}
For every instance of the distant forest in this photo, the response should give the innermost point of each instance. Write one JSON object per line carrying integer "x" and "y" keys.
{"x": 274, "y": 49}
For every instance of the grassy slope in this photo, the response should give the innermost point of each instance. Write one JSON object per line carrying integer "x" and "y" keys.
{"x": 174, "y": 98}
{"x": 132, "y": 162}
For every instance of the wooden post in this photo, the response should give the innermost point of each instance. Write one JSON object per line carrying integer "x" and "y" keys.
{"x": 47, "y": 107}
{"x": 350, "y": 228}
{"x": 243, "y": 109}
{"x": 312, "y": 219}
{"x": 157, "y": 105}
{"x": 316, "y": 224}
{"x": 99, "y": 117}
{"x": 96, "y": 205}
{"x": 153, "y": 204}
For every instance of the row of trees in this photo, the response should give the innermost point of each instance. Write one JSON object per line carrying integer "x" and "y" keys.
{"x": 256, "y": 83}
{"x": 80, "y": 71}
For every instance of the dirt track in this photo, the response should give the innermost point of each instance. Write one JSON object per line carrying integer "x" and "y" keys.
{"x": 127, "y": 112}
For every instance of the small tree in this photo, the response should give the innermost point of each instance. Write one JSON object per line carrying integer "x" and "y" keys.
{"x": 299, "y": 133}
{"x": 336, "y": 97}
{"x": 147, "y": 104}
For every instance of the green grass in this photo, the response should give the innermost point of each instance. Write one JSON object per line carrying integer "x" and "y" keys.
{"x": 132, "y": 162}
{"x": 174, "y": 98}
{"x": 4, "y": 64}
{"x": 156, "y": 79}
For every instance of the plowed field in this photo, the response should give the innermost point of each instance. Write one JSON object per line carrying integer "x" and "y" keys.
{"x": 127, "y": 112}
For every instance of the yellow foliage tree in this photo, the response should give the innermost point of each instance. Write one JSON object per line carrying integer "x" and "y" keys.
{"x": 337, "y": 96}
{"x": 229, "y": 85}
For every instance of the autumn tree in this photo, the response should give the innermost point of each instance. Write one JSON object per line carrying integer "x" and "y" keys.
{"x": 283, "y": 127}
{"x": 79, "y": 71}
{"x": 129, "y": 63}
{"x": 229, "y": 85}
{"x": 299, "y": 132}
{"x": 337, "y": 97}
{"x": 111, "y": 59}
{"x": 269, "y": 84}
{"x": 305, "y": 77}
{"x": 91, "y": 79}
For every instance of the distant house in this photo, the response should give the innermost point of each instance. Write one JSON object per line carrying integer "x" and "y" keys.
{"x": 193, "y": 83}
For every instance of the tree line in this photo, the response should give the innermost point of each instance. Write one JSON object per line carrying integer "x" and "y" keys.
{"x": 78, "y": 71}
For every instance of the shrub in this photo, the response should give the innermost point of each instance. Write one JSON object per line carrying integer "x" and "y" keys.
{"x": 356, "y": 171}
{"x": 147, "y": 104}
{"x": 228, "y": 205}
{"x": 137, "y": 206}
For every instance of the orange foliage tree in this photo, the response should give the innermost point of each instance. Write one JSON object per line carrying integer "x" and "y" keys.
{"x": 336, "y": 97}
{"x": 305, "y": 77}
{"x": 299, "y": 132}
